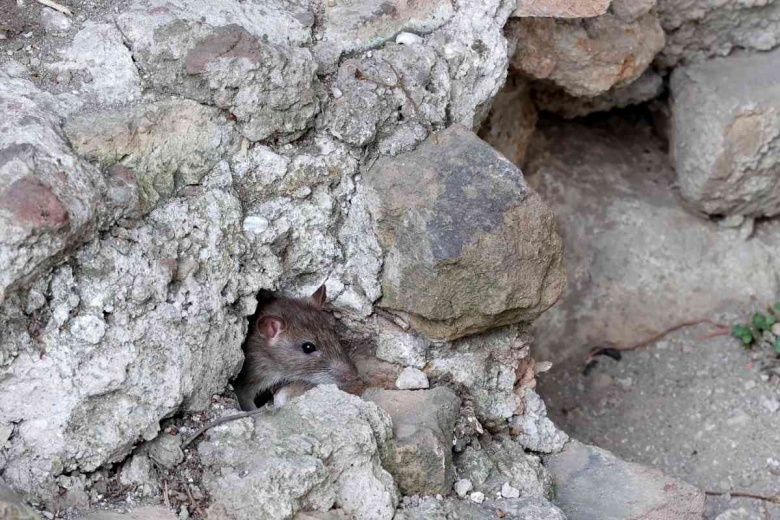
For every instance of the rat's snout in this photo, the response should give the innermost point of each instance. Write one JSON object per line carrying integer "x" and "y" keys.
{"x": 347, "y": 377}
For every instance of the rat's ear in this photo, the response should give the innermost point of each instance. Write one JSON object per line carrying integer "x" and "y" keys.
{"x": 269, "y": 326}
{"x": 319, "y": 297}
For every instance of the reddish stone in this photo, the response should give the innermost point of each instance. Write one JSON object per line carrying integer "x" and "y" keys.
{"x": 32, "y": 203}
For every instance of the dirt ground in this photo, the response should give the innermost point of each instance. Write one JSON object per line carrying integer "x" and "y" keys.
{"x": 704, "y": 410}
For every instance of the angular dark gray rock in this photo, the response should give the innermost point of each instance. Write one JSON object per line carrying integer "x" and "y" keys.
{"x": 451, "y": 275}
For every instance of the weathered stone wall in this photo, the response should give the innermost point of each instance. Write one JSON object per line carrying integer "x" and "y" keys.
{"x": 162, "y": 161}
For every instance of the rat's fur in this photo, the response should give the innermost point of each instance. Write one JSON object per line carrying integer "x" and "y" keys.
{"x": 273, "y": 350}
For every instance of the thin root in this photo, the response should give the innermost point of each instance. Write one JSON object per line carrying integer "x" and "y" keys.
{"x": 774, "y": 499}
{"x": 56, "y": 6}
{"x": 217, "y": 422}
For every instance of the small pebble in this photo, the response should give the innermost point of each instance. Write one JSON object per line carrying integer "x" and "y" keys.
{"x": 477, "y": 497}
{"x": 776, "y": 329}
{"x": 407, "y": 38}
{"x": 507, "y": 491}
{"x": 750, "y": 385}
{"x": 336, "y": 92}
{"x": 48, "y": 515}
{"x": 462, "y": 487}
{"x": 770, "y": 404}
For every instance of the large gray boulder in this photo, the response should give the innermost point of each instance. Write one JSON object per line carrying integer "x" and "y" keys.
{"x": 468, "y": 246}
{"x": 298, "y": 458}
{"x": 726, "y": 150}
{"x": 420, "y": 457}
{"x": 593, "y": 484}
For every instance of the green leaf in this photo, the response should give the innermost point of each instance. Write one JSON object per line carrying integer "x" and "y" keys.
{"x": 742, "y": 333}
{"x": 777, "y": 306}
{"x": 770, "y": 320}
{"x": 760, "y": 322}
{"x": 777, "y": 345}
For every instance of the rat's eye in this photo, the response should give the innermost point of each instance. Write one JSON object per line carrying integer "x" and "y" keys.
{"x": 308, "y": 347}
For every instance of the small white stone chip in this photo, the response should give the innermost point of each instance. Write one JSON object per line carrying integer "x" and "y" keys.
{"x": 477, "y": 497}
{"x": 462, "y": 487}
{"x": 507, "y": 491}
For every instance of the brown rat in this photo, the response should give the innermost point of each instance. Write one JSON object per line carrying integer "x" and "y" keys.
{"x": 291, "y": 341}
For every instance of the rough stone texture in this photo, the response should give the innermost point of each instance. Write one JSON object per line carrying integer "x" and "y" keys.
{"x": 99, "y": 53}
{"x": 50, "y": 201}
{"x": 455, "y": 276}
{"x": 158, "y": 148}
{"x": 512, "y": 120}
{"x": 593, "y": 484}
{"x": 411, "y": 379}
{"x": 585, "y": 57}
{"x": 700, "y": 29}
{"x": 561, "y": 8}
{"x": 631, "y": 10}
{"x": 396, "y": 346}
{"x": 533, "y": 429}
{"x": 725, "y": 138}
{"x": 648, "y": 86}
{"x": 487, "y": 366}
{"x": 624, "y": 229}
{"x": 420, "y": 458}
{"x": 738, "y": 514}
{"x": 494, "y": 463}
{"x": 475, "y": 50}
{"x": 295, "y": 458}
{"x": 270, "y": 89}
{"x": 141, "y": 323}
{"x": 455, "y": 509}
{"x": 141, "y": 513}
{"x": 354, "y": 25}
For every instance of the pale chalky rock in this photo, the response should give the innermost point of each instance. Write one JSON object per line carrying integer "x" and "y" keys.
{"x": 159, "y": 147}
{"x": 420, "y": 457}
{"x": 411, "y": 378}
{"x": 511, "y": 122}
{"x": 165, "y": 298}
{"x": 353, "y": 25}
{"x": 271, "y": 89}
{"x": 561, "y": 8}
{"x": 321, "y": 449}
{"x": 582, "y": 473}
{"x": 456, "y": 509}
{"x": 577, "y": 168}
{"x": 724, "y": 140}
{"x": 486, "y": 364}
{"x": 54, "y": 22}
{"x": 701, "y": 29}
{"x": 462, "y": 487}
{"x": 99, "y": 52}
{"x": 11, "y": 506}
{"x": 453, "y": 276}
{"x": 397, "y": 346}
{"x": 501, "y": 461}
{"x": 533, "y": 429}
{"x": 50, "y": 200}
{"x": 648, "y": 86}
{"x": 585, "y": 57}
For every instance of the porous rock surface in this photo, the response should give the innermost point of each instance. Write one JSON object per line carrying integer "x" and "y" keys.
{"x": 454, "y": 276}
{"x": 420, "y": 457}
{"x": 455, "y": 509}
{"x": 296, "y": 458}
{"x": 725, "y": 140}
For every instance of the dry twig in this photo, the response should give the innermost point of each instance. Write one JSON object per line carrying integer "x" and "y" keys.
{"x": 193, "y": 502}
{"x": 56, "y": 6}
{"x": 217, "y": 422}
{"x": 774, "y": 499}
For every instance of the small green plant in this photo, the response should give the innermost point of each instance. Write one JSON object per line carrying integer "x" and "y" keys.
{"x": 761, "y": 329}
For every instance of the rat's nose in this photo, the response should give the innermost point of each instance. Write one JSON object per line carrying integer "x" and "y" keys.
{"x": 348, "y": 378}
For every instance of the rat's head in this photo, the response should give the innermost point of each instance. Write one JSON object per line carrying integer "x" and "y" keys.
{"x": 299, "y": 343}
